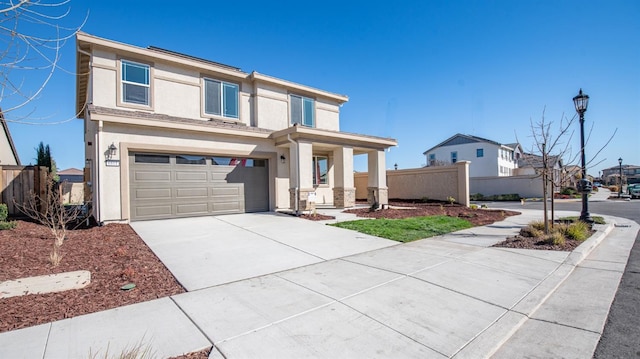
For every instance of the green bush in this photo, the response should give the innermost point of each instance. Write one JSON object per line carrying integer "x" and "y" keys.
{"x": 473, "y": 206}
{"x": 7, "y": 225}
{"x": 4, "y": 212}
{"x": 569, "y": 191}
{"x": 476, "y": 197}
{"x": 578, "y": 230}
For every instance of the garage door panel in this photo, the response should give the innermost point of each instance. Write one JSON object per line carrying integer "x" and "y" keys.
{"x": 194, "y": 192}
{"x": 192, "y": 208}
{"x": 166, "y": 189}
{"x": 184, "y": 176}
{"x": 153, "y": 193}
{"x": 153, "y": 211}
{"x": 152, "y": 176}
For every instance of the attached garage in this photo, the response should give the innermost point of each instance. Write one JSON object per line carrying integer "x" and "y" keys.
{"x": 169, "y": 185}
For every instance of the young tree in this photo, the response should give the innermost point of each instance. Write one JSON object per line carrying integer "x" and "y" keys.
{"x": 33, "y": 33}
{"x": 553, "y": 147}
{"x": 49, "y": 211}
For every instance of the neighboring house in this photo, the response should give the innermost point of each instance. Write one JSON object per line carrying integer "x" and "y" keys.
{"x": 170, "y": 135}
{"x": 488, "y": 158}
{"x": 630, "y": 174}
{"x": 531, "y": 164}
{"x": 8, "y": 153}
{"x": 72, "y": 175}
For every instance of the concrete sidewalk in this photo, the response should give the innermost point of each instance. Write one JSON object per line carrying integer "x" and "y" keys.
{"x": 449, "y": 296}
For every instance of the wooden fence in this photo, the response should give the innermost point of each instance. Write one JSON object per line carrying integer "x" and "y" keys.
{"x": 18, "y": 182}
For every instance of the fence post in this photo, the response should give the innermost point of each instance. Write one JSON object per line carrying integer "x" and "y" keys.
{"x": 463, "y": 182}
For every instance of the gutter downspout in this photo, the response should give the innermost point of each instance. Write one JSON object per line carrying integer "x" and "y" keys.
{"x": 297, "y": 188}
{"x": 95, "y": 182}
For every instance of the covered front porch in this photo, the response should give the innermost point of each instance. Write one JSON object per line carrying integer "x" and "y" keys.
{"x": 319, "y": 165}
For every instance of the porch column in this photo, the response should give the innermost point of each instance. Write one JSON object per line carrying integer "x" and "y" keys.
{"x": 344, "y": 192}
{"x": 377, "y": 190}
{"x": 301, "y": 172}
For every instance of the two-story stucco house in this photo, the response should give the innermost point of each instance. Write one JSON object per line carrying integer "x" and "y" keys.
{"x": 488, "y": 158}
{"x": 170, "y": 135}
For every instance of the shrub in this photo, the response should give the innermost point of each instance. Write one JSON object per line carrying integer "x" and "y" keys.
{"x": 7, "y": 225}
{"x": 569, "y": 191}
{"x": 613, "y": 189}
{"x": 473, "y": 206}
{"x": 476, "y": 197}
{"x": 539, "y": 225}
{"x": 578, "y": 231}
{"x": 451, "y": 200}
{"x": 4, "y": 212}
{"x": 555, "y": 238}
{"x": 530, "y": 231}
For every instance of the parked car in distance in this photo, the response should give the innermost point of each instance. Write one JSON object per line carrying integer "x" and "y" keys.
{"x": 634, "y": 190}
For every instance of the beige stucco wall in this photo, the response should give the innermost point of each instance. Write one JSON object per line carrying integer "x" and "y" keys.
{"x": 114, "y": 180}
{"x": 6, "y": 154}
{"x": 439, "y": 183}
{"x": 177, "y": 91}
{"x": 528, "y": 186}
{"x": 72, "y": 193}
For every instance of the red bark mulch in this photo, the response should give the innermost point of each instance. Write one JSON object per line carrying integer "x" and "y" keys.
{"x": 114, "y": 254}
{"x": 477, "y": 217}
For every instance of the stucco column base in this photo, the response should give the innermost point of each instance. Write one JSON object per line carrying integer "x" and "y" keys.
{"x": 378, "y": 194}
{"x": 303, "y": 199}
{"x": 344, "y": 197}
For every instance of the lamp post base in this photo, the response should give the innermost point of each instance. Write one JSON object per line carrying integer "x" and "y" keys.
{"x": 585, "y": 216}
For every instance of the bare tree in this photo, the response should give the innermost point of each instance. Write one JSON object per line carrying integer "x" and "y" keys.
{"x": 552, "y": 147}
{"x": 33, "y": 33}
{"x": 50, "y": 211}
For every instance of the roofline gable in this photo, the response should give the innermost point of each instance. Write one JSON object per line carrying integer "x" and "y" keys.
{"x": 8, "y": 134}
{"x": 469, "y": 137}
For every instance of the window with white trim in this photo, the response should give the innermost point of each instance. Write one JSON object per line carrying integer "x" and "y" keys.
{"x": 221, "y": 98}
{"x": 135, "y": 82}
{"x": 302, "y": 110}
{"x": 320, "y": 170}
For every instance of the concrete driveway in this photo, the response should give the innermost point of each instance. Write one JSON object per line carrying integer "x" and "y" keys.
{"x": 202, "y": 252}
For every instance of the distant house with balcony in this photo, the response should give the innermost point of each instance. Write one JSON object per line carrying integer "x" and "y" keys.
{"x": 630, "y": 174}
{"x": 488, "y": 158}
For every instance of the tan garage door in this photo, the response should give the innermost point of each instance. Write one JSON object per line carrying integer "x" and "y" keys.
{"x": 169, "y": 186}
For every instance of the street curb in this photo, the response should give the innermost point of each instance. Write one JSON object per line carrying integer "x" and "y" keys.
{"x": 485, "y": 344}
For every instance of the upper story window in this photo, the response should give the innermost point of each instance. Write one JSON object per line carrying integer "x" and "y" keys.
{"x": 135, "y": 83}
{"x": 221, "y": 98}
{"x": 302, "y": 110}
{"x": 432, "y": 159}
{"x": 480, "y": 152}
{"x": 454, "y": 157}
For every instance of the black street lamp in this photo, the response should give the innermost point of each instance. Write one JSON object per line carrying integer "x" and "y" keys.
{"x": 584, "y": 186}
{"x": 620, "y": 189}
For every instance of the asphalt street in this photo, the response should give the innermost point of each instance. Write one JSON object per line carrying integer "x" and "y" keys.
{"x": 621, "y": 336}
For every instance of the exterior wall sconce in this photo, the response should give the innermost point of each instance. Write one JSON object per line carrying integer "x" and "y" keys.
{"x": 283, "y": 159}
{"x": 110, "y": 156}
{"x": 113, "y": 150}
{"x": 395, "y": 166}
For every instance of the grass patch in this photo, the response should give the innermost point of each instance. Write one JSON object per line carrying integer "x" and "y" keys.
{"x": 571, "y": 219}
{"x": 407, "y": 229}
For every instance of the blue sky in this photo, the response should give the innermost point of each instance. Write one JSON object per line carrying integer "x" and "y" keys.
{"x": 416, "y": 71}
